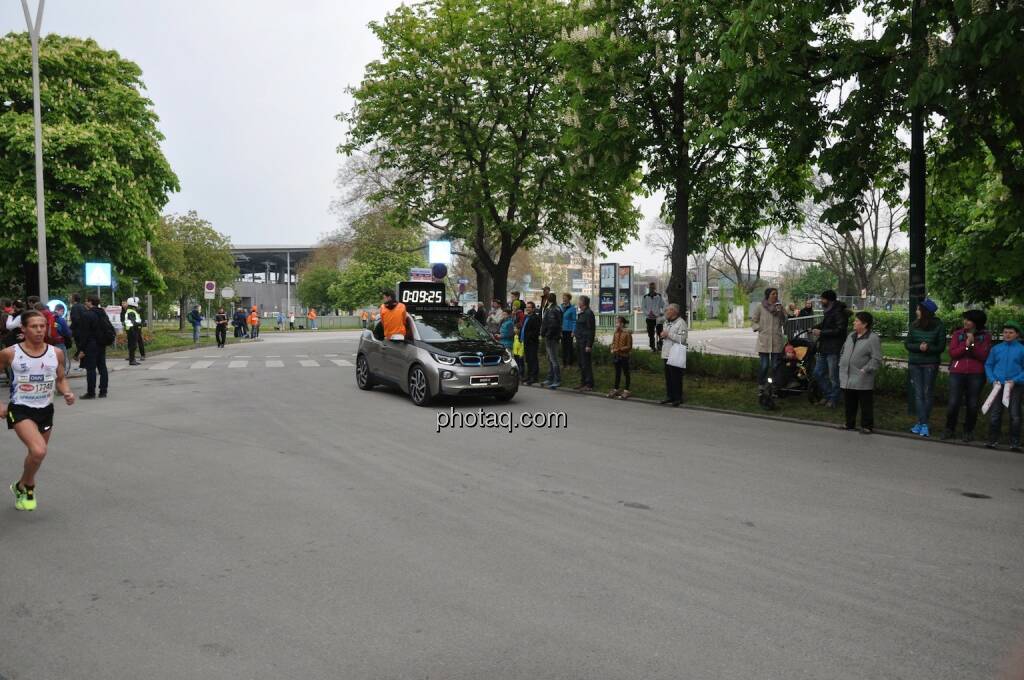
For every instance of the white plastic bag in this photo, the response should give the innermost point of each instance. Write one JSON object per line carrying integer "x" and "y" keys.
{"x": 677, "y": 355}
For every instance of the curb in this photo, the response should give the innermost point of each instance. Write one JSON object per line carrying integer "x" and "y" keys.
{"x": 784, "y": 419}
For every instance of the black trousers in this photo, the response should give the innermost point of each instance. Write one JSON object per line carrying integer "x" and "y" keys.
{"x": 95, "y": 360}
{"x": 673, "y": 382}
{"x": 222, "y": 334}
{"x": 530, "y": 349}
{"x": 586, "y": 367}
{"x": 567, "y": 352}
{"x": 654, "y": 333}
{"x": 135, "y": 343}
{"x": 865, "y": 399}
{"x": 621, "y": 367}
{"x": 964, "y": 388}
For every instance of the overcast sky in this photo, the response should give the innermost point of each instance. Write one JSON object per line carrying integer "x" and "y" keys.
{"x": 246, "y": 92}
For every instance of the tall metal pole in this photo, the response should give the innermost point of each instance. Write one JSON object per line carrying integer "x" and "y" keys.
{"x": 149, "y": 293}
{"x": 288, "y": 280}
{"x": 33, "y": 33}
{"x": 917, "y": 171}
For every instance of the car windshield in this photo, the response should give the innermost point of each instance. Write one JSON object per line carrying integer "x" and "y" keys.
{"x": 440, "y": 328}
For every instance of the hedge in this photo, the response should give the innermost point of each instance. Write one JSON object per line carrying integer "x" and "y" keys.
{"x": 890, "y": 379}
{"x": 894, "y": 324}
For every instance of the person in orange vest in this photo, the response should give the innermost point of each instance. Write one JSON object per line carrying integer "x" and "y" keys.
{"x": 364, "y": 316}
{"x": 394, "y": 318}
{"x": 311, "y": 317}
{"x": 254, "y": 323}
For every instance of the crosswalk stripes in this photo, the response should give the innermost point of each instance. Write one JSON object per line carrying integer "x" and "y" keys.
{"x": 275, "y": 363}
{"x": 162, "y": 366}
{"x": 238, "y": 364}
{"x": 309, "y": 363}
{"x": 271, "y": 361}
{"x": 341, "y": 362}
{"x": 201, "y": 364}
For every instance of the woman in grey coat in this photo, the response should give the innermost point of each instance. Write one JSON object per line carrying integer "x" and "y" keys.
{"x": 858, "y": 364}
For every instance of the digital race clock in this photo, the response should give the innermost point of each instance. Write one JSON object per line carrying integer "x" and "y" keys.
{"x": 422, "y": 295}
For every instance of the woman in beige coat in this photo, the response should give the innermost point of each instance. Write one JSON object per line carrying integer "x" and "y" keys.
{"x": 767, "y": 321}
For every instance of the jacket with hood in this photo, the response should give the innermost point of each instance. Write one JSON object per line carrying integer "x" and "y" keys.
{"x": 1006, "y": 363}
{"x": 969, "y": 359}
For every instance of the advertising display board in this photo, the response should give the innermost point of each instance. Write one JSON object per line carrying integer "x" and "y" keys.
{"x": 625, "y": 298}
{"x": 606, "y": 291}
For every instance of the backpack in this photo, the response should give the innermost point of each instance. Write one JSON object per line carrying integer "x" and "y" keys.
{"x": 105, "y": 332}
{"x": 53, "y": 335}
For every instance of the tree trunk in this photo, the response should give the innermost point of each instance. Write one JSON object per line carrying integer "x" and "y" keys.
{"x": 499, "y": 276}
{"x": 678, "y": 285}
{"x": 484, "y": 283}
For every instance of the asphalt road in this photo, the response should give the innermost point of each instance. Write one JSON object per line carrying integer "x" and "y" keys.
{"x": 253, "y": 520}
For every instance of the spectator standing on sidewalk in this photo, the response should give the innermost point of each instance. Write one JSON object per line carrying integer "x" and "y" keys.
{"x": 969, "y": 348}
{"x": 195, "y": 317}
{"x": 674, "y": 333}
{"x": 858, "y": 364}
{"x": 767, "y": 321}
{"x": 925, "y": 343}
{"x": 311, "y": 317}
{"x": 507, "y": 333}
{"x": 568, "y": 328}
{"x": 1005, "y": 366}
{"x": 92, "y": 346}
{"x": 807, "y": 309}
{"x": 551, "y": 331}
{"x": 291, "y": 321}
{"x": 622, "y": 347}
{"x": 653, "y": 306}
{"x": 495, "y": 318}
{"x": 585, "y": 334}
{"x": 64, "y": 331}
{"x": 280, "y": 321}
{"x": 831, "y": 334}
{"x": 529, "y": 335}
{"x": 221, "y": 320}
{"x": 254, "y": 323}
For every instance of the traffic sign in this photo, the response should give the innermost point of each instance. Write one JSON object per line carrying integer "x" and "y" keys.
{"x": 210, "y": 290}
{"x": 227, "y": 293}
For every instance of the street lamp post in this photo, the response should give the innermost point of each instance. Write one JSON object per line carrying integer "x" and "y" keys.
{"x": 917, "y": 171}
{"x": 34, "y": 28}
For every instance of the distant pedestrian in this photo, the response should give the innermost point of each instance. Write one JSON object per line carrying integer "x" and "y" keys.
{"x": 969, "y": 348}
{"x": 241, "y": 324}
{"x": 133, "y": 331}
{"x": 674, "y": 333}
{"x": 364, "y": 318}
{"x": 831, "y": 334}
{"x": 529, "y": 335}
{"x": 859, "y": 362}
{"x": 195, "y": 317}
{"x": 585, "y": 333}
{"x": 496, "y": 317}
{"x": 311, "y": 317}
{"x": 568, "y": 328}
{"x": 254, "y": 323}
{"x": 542, "y": 307}
{"x": 507, "y": 334}
{"x": 653, "y": 307}
{"x": 280, "y": 320}
{"x": 1005, "y": 370}
{"x": 291, "y": 321}
{"x": 551, "y": 331}
{"x": 925, "y": 343}
{"x": 767, "y": 321}
{"x": 622, "y": 348}
{"x": 807, "y": 309}
{"x": 221, "y": 320}
{"x": 64, "y": 331}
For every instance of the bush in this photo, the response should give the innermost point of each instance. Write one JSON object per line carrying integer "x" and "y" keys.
{"x": 894, "y": 324}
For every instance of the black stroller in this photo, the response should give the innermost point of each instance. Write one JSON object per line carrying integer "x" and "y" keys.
{"x": 794, "y": 373}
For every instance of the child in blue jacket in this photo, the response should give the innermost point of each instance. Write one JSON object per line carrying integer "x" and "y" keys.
{"x": 1005, "y": 366}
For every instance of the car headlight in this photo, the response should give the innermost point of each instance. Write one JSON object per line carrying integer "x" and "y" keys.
{"x": 442, "y": 359}
{"x": 508, "y": 357}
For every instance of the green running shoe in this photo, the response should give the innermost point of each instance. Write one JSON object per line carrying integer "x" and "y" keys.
{"x": 23, "y": 500}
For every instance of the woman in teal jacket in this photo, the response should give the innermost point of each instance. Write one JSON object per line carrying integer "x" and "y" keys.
{"x": 925, "y": 343}
{"x": 507, "y": 332}
{"x": 1005, "y": 365}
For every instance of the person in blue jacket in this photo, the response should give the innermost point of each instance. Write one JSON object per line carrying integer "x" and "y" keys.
{"x": 568, "y": 328}
{"x": 1005, "y": 365}
{"x": 507, "y": 332}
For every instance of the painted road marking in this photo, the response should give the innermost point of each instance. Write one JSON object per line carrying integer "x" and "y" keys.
{"x": 309, "y": 363}
{"x": 238, "y": 364}
{"x": 275, "y": 363}
{"x": 341, "y": 362}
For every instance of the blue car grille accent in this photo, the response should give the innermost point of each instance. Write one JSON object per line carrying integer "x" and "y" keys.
{"x": 472, "y": 360}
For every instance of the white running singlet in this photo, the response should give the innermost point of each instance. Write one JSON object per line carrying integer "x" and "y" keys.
{"x": 35, "y": 378}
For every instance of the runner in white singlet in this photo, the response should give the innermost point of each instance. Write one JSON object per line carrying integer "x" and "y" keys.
{"x": 38, "y": 370}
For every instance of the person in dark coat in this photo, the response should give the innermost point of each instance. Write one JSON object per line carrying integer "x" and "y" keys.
{"x": 831, "y": 334}
{"x": 586, "y": 333}
{"x": 529, "y": 334}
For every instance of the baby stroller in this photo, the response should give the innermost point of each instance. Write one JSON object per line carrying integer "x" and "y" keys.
{"x": 794, "y": 374}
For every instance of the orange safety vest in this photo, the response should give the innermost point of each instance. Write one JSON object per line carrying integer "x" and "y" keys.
{"x": 393, "y": 320}
{"x": 311, "y": 315}
{"x": 254, "y": 319}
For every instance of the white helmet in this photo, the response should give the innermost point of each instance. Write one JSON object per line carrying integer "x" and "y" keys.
{"x": 133, "y": 302}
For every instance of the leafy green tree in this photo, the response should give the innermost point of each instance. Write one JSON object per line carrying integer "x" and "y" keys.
{"x": 188, "y": 252}
{"x": 383, "y": 248}
{"x": 653, "y": 91}
{"x": 105, "y": 176}
{"x": 314, "y": 285}
{"x": 812, "y": 281}
{"x": 466, "y": 116}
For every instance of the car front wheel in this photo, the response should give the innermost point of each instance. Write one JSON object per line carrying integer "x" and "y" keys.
{"x": 419, "y": 386}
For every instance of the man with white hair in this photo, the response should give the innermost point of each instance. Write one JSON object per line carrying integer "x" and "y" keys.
{"x": 675, "y": 333}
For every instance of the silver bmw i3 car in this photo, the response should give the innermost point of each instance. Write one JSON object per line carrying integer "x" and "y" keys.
{"x": 448, "y": 353}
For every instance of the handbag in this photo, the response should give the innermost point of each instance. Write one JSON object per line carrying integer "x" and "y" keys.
{"x": 517, "y": 347}
{"x": 677, "y": 355}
